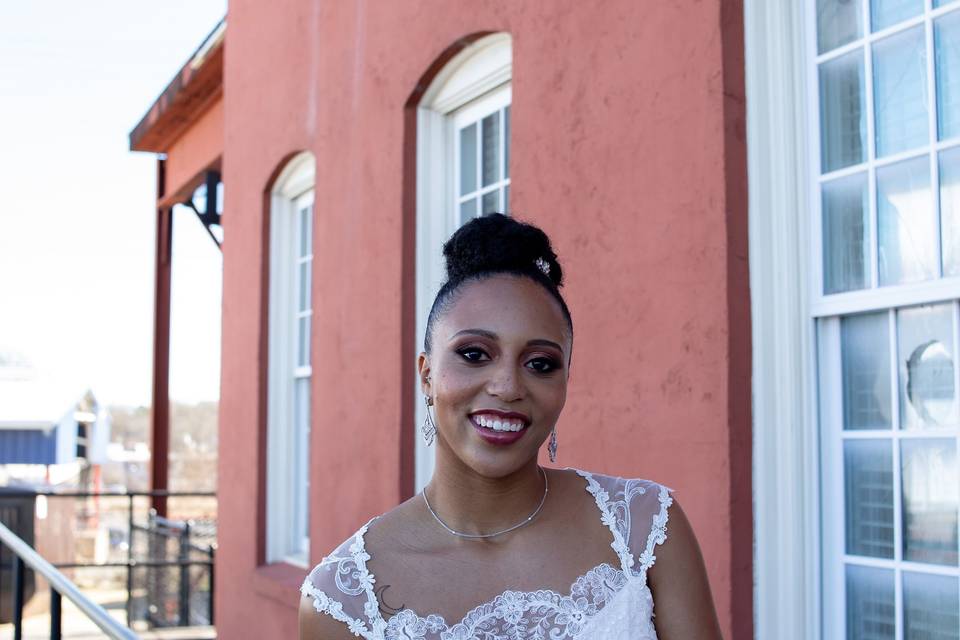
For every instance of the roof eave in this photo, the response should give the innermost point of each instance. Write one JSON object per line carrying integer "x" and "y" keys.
{"x": 198, "y": 83}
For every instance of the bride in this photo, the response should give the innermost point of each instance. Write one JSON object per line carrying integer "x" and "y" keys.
{"x": 497, "y": 546}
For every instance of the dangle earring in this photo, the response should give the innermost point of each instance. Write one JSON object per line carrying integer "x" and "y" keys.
{"x": 552, "y": 445}
{"x": 429, "y": 427}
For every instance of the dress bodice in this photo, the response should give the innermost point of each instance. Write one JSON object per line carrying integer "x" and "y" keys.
{"x": 607, "y": 602}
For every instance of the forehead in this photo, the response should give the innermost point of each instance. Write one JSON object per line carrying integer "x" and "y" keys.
{"x": 507, "y": 305}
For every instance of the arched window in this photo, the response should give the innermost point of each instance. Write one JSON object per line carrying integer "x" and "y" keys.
{"x": 288, "y": 394}
{"x": 463, "y": 170}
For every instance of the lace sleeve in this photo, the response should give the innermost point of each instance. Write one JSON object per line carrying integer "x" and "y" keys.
{"x": 342, "y": 588}
{"x": 650, "y": 514}
{"x": 636, "y": 511}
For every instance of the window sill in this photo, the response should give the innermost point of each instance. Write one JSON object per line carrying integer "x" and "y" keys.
{"x": 280, "y": 582}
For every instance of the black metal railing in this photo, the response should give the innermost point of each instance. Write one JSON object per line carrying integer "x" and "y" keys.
{"x": 169, "y": 563}
{"x": 60, "y": 586}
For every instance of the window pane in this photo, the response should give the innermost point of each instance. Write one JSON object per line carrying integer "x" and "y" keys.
{"x": 838, "y": 22}
{"x": 900, "y": 92}
{"x": 491, "y": 202}
{"x": 871, "y": 604}
{"x": 846, "y": 234}
{"x": 884, "y": 13}
{"x": 942, "y": 3}
{"x": 925, "y": 336}
{"x": 468, "y": 159}
{"x": 947, "y": 39}
{"x": 506, "y": 142}
{"x": 930, "y": 609}
{"x": 491, "y": 148}
{"x": 842, "y": 124}
{"x": 865, "y": 355}
{"x": 468, "y": 210}
{"x": 301, "y": 418}
{"x": 303, "y": 341}
{"x": 950, "y": 211}
{"x": 305, "y": 239}
{"x": 304, "y": 278}
{"x": 868, "y": 497}
{"x": 929, "y": 477}
{"x": 506, "y": 199}
{"x": 907, "y": 225}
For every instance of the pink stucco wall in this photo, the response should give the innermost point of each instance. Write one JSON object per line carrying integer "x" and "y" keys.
{"x": 627, "y": 147}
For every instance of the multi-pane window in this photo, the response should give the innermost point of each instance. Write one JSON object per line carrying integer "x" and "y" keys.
{"x": 888, "y": 319}
{"x": 483, "y": 157}
{"x": 289, "y": 374}
{"x": 302, "y": 313}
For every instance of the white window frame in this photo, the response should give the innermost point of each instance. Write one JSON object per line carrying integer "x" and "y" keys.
{"x": 785, "y": 446}
{"x": 287, "y": 484}
{"x": 474, "y": 83}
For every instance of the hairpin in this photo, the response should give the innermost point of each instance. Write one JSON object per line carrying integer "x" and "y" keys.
{"x": 543, "y": 265}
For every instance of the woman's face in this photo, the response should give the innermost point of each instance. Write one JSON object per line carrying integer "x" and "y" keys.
{"x": 497, "y": 373}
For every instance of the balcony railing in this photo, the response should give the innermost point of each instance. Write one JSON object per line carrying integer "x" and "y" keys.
{"x": 60, "y": 586}
{"x": 169, "y": 563}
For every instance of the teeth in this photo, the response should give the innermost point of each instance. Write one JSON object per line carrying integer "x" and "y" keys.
{"x": 499, "y": 425}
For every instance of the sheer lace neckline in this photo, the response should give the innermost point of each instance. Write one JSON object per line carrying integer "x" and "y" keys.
{"x": 589, "y": 593}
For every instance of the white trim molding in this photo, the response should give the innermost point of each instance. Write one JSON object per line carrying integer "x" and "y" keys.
{"x": 785, "y": 460}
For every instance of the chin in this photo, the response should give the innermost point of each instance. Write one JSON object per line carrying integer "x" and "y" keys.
{"x": 494, "y": 464}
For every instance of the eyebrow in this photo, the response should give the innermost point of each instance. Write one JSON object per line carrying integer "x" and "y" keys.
{"x": 537, "y": 342}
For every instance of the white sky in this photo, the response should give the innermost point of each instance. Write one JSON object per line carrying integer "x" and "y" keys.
{"x": 77, "y": 207}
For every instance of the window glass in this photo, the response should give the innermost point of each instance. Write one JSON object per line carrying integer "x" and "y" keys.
{"x": 506, "y": 143}
{"x": 930, "y": 608}
{"x": 900, "y": 92}
{"x": 950, "y": 211}
{"x": 868, "y": 492}
{"x": 906, "y": 223}
{"x": 947, "y": 48}
{"x": 865, "y": 354}
{"x": 491, "y": 148}
{"x": 846, "y": 234}
{"x": 930, "y": 483}
{"x": 468, "y": 159}
{"x": 842, "y": 112}
{"x": 927, "y": 395}
{"x": 886, "y": 13}
{"x": 871, "y": 603}
{"x": 838, "y": 22}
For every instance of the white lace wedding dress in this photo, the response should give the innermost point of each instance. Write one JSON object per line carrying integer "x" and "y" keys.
{"x": 607, "y": 602}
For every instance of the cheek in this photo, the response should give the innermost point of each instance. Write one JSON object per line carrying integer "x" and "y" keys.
{"x": 454, "y": 387}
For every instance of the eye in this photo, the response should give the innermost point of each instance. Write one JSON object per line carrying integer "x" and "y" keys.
{"x": 543, "y": 365}
{"x": 473, "y": 354}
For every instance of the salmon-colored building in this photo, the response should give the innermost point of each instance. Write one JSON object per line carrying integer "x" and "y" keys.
{"x": 730, "y": 332}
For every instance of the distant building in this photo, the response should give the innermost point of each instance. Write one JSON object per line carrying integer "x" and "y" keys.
{"x": 43, "y": 422}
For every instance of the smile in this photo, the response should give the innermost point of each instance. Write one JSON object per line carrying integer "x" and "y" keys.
{"x": 499, "y": 428}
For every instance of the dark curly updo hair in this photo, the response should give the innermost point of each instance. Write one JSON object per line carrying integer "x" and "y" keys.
{"x": 492, "y": 245}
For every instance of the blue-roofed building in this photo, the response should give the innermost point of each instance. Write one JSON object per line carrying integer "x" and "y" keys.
{"x": 43, "y": 422}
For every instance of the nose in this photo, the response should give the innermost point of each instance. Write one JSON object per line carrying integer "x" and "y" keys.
{"x": 506, "y": 383}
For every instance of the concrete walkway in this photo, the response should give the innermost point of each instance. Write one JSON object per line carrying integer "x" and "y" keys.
{"x": 76, "y": 626}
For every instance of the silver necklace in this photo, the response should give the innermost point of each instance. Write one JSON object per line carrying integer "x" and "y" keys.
{"x": 528, "y": 520}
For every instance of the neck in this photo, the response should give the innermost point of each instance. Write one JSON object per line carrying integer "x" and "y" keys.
{"x": 474, "y": 504}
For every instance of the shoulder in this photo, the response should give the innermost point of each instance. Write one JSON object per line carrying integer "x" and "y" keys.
{"x": 334, "y": 599}
{"x": 315, "y": 623}
{"x": 610, "y": 488}
{"x": 679, "y": 584}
